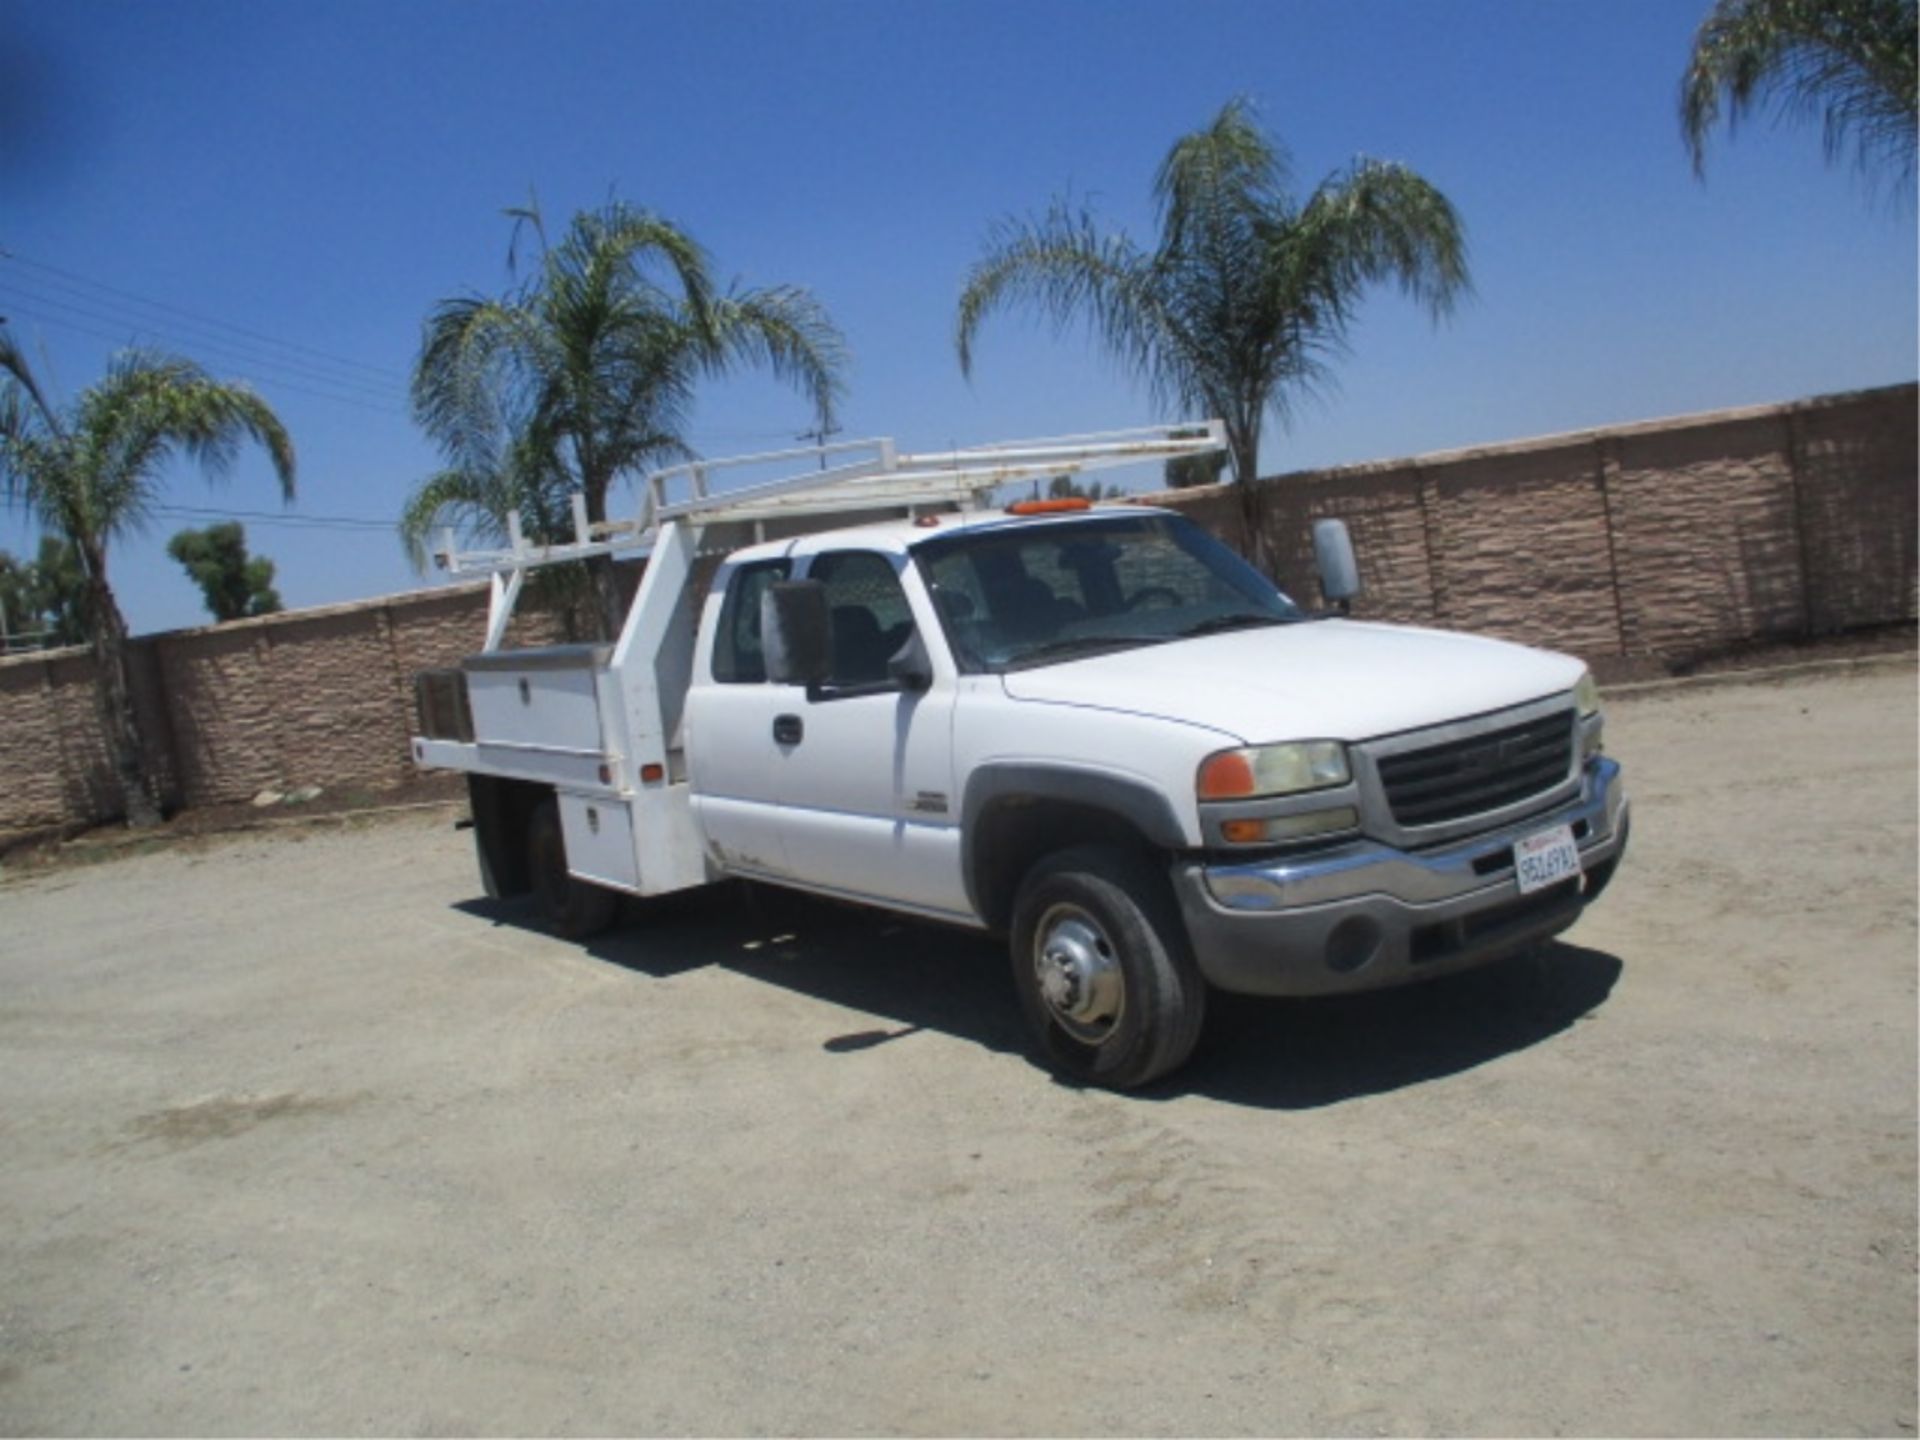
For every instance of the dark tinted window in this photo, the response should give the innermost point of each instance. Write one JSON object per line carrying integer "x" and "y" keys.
{"x": 1039, "y": 592}
{"x": 869, "y": 613}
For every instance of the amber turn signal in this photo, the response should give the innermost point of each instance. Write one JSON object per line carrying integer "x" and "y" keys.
{"x": 1226, "y": 776}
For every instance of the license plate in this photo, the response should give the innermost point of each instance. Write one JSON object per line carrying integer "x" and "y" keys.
{"x": 1546, "y": 859}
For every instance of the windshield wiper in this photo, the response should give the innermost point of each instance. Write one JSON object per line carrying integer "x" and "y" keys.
{"x": 1080, "y": 645}
{"x": 1221, "y": 623}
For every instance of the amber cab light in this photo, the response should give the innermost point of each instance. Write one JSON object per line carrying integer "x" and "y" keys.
{"x": 1047, "y": 507}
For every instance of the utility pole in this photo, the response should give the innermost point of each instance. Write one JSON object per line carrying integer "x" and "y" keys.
{"x": 819, "y": 435}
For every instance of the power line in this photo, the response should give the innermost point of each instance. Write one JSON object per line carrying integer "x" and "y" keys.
{"x": 242, "y": 350}
{"x": 267, "y": 517}
{"x": 229, "y": 351}
{"x": 268, "y": 380}
{"x": 116, "y": 312}
{"x": 384, "y": 372}
{"x": 341, "y": 531}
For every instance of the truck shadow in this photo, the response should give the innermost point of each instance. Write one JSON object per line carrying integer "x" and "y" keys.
{"x": 1303, "y": 1054}
{"x": 1273, "y": 1054}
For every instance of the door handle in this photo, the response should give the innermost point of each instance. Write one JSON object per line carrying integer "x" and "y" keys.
{"x": 787, "y": 730}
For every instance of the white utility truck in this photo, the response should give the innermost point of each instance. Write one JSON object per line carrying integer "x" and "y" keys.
{"x": 1093, "y": 730}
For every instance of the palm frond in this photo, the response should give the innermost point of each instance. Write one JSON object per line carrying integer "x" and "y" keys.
{"x": 1376, "y": 223}
{"x": 613, "y": 248}
{"x": 587, "y": 371}
{"x": 13, "y": 363}
{"x": 1245, "y": 300}
{"x": 1851, "y": 63}
{"x": 475, "y": 358}
{"x": 1215, "y": 180}
{"x": 475, "y": 501}
{"x": 1061, "y": 265}
{"x": 150, "y": 405}
{"x": 786, "y": 332}
{"x": 525, "y": 217}
{"x": 461, "y": 499}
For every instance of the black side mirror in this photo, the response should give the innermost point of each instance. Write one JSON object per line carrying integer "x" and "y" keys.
{"x": 796, "y": 632}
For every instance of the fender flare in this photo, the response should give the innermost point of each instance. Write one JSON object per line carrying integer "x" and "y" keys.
{"x": 1135, "y": 801}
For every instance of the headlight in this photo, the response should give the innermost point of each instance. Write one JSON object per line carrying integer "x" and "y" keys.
{"x": 1273, "y": 770}
{"x": 1586, "y": 695}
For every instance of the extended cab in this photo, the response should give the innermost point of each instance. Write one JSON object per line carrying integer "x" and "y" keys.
{"x": 1094, "y": 731}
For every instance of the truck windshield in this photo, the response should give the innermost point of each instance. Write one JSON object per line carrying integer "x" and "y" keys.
{"x": 1045, "y": 592}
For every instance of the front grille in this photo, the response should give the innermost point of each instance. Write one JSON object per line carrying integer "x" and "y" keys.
{"x": 1480, "y": 773}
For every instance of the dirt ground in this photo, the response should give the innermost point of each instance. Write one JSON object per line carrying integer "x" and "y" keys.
{"x": 300, "y": 1136}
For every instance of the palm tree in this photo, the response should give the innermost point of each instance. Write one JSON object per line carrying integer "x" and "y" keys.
{"x": 586, "y": 372}
{"x": 1851, "y": 62}
{"x": 43, "y": 598}
{"x": 476, "y": 499}
{"x": 1247, "y": 296}
{"x": 92, "y": 475}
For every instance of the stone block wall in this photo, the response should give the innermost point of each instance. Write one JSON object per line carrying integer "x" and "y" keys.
{"x": 1666, "y": 540}
{"x": 1672, "y": 539}
{"x": 308, "y": 697}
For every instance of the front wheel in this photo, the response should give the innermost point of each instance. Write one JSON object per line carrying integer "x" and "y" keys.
{"x": 576, "y": 908}
{"x": 1103, "y": 969}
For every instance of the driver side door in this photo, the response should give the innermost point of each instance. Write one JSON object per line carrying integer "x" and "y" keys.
{"x": 866, "y": 779}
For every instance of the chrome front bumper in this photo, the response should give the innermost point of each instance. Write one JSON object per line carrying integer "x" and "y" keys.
{"x": 1367, "y": 915}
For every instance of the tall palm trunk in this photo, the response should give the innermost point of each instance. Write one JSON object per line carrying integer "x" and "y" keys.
{"x": 1243, "y": 445}
{"x": 608, "y": 611}
{"x": 114, "y": 693}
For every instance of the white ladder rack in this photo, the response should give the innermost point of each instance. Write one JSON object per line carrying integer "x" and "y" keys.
{"x": 883, "y": 480}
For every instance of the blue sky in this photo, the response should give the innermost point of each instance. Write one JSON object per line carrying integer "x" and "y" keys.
{"x": 318, "y": 174}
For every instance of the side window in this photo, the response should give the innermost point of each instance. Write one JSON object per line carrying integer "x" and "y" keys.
{"x": 737, "y": 655}
{"x": 869, "y": 613}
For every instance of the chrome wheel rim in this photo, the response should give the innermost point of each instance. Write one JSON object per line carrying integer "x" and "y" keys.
{"x": 1077, "y": 973}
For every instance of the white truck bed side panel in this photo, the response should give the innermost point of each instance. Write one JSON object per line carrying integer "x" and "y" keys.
{"x": 546, "y": 708}
{"x": 667, "y": 845}
{"x": 599, "y": 835}
{"x": 538, "y": 764}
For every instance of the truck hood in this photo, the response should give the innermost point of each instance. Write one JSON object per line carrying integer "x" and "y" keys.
{"x": 1316, "y": 680}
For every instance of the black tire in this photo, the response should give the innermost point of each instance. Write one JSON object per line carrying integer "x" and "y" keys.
{"x": 490, "y": 882}
{"x": 499, "y": 835}
{"x": 575, "y": 908}
{"x": 1105, "y": 976}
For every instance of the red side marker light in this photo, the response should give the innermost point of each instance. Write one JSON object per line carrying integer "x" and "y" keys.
{"x": 652, "y": 774}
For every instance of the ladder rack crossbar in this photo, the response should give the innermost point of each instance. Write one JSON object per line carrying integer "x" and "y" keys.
{"x": 886, "y": 480}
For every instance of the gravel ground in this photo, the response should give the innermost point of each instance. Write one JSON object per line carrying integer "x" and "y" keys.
{"x": 300, "y": 1136}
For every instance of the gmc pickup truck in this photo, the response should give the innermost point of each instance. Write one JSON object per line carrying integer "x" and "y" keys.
{"x": 1092, "y": 730}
